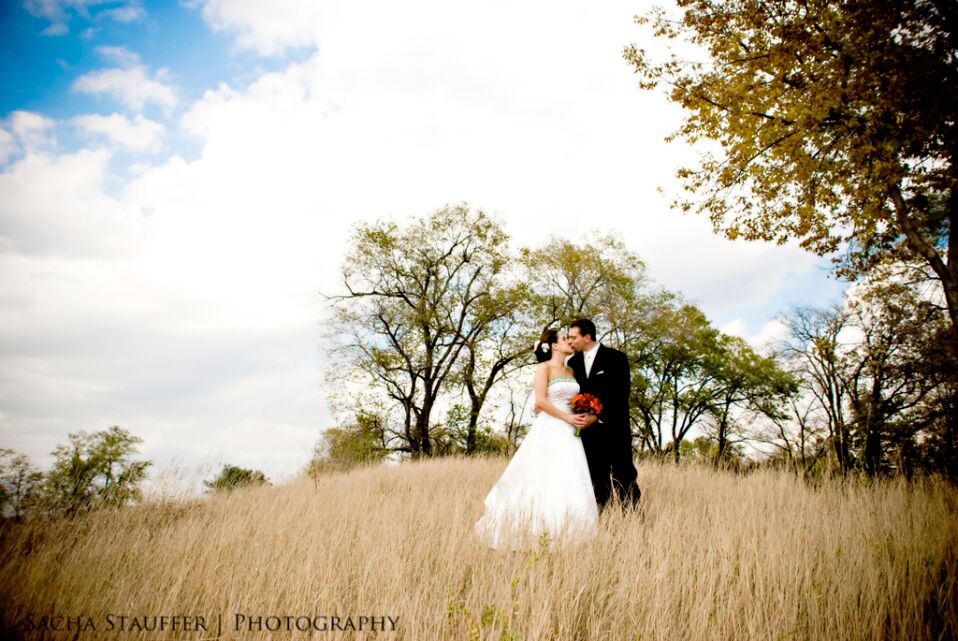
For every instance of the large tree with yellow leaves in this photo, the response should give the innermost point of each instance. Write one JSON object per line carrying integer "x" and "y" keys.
{"x": 836, "y": 123}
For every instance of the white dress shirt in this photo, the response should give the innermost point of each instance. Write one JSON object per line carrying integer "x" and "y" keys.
{"x": 589, "y": 356}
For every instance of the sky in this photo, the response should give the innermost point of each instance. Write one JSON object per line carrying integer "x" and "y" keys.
{"x": 179, "y": 180}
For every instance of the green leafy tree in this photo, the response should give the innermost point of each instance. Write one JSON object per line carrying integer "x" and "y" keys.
{"x": 748, "y": 385}
{"x": 232, "y": 477}
{"x": 95, "y": 470}
{"x": 457, "y": 435}
{"x": 672, "y": 375}
{"x": 598, "y": 279}
{"x": 703, "y": 449}
{"x": 687, "y": 374}
{"x": 364, "y": 440}
{"x": 836, "y": 123}
{"x": 417, "y": 296}
{"x": 20, "y": 484}
{"x": 498, "y": 346}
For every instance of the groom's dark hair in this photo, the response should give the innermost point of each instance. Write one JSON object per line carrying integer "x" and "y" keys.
{"x": 586, "y": 327}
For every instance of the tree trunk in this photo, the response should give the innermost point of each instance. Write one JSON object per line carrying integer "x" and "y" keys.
{"x": 474, "y": 409}
{"x": 946, "y": 272}
{"x": 723, "y": 434}
{"x": 422, "y": 428}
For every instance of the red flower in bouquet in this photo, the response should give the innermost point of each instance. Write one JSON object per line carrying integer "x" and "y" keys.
{"x": 585, "y": 404}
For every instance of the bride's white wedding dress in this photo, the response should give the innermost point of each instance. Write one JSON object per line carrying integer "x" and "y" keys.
{"x": 546, "y": 488}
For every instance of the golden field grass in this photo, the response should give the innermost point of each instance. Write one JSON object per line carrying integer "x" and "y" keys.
{"x": 711, "y": 555}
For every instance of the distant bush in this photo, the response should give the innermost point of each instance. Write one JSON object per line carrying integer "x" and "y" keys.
{"x": 232, "y": 477}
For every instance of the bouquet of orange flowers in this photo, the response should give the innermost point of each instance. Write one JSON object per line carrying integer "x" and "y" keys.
{"x": 585, "y": 404}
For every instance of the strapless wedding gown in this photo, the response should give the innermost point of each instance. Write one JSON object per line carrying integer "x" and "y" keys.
{"x": 546, "y": 491}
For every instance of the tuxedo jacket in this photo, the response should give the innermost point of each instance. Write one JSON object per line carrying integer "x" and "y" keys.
{"x": 610, "y": 382}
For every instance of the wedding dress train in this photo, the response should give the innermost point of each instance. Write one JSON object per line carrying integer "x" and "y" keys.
{"x": 545, "y": 493}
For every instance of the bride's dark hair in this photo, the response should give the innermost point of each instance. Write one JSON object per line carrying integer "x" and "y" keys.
{"x": 544, "y": 347}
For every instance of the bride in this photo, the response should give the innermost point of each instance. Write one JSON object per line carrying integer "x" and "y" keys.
{"x": 546, "y": 491}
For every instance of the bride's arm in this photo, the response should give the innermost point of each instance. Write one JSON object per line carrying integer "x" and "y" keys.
{"x": 541, "y": 383}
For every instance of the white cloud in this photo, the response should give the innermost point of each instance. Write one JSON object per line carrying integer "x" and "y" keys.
{"x": 23, "y": 132}
{"x": 139, "y": 134}
{"x": 31, "y": 130}
{"x": 61, "y": 12}
{"x": 56, "y": 29}
{"x": 288, "y": 23}
{"x": 56, "y": 11}
{"x": 128, "y": 13}
{"x": 771, "y": 333}
{"x": 737, "y": 327}
{"x": 8, "y": 146}
{"x": 120, "y": 55}
{"x": 91, "y": 343}
{"x": 56, "y": 206}
{"x": 132, "y": 86}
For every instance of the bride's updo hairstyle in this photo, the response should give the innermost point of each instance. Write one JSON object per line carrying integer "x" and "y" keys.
{"x": 544, "y": 346}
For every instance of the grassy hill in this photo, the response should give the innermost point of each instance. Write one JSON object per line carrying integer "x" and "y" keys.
{"x": 711, "y": 555}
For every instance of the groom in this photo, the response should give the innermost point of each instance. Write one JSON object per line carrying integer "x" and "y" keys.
{"x": 607, "y": 439}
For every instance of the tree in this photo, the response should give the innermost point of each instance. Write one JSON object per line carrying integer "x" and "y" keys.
{"x": 362, "y": 441}
{"x": 232, "y": 477}
{"x": 939, "y": 437}
{"x": 704, "y": 448}
{"x": 837, "y": 125}
{"x": 875, "y": 370}
{"x": 686, "y": 372}
{"x": 598, "y": 279}
{"x": 892, "y": 379}
{"x": 519, "y": 415}
{"x": 499, "y": 346}
{"x": 95, "y": 470}
{"x": 798, "y": 437}
{"x": 748, "y": 383}
{"x": 815, "y": 352}
{"x": 672, "y": 375}
{"x": 20, "y": 484}
{"x": 417, "y": 296}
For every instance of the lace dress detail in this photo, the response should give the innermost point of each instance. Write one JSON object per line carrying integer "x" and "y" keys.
{"x": 545, "y": 492}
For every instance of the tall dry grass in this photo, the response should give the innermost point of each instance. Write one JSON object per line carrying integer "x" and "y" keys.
{"x": 710, "y": 555}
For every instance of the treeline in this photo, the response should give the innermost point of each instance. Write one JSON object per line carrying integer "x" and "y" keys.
{"x": 435, "y": 326}
{"x": 93, "y": 470}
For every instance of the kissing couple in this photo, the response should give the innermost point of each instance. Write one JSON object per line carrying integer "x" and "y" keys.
{"x": 569, "y": 464}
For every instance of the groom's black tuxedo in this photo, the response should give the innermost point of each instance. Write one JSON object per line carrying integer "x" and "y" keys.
{"x": 608, "y": 442}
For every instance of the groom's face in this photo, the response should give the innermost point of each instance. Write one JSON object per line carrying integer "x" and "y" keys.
{"x": 578, "y": 341}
